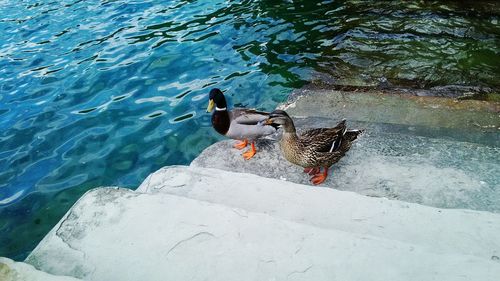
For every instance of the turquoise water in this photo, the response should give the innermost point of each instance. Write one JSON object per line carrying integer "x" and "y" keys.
{"x": 105, "y": 92}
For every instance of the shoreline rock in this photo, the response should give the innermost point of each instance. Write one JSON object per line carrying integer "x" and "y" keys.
{"x": 187, "y": 223}
{"x": 18, "y": 271}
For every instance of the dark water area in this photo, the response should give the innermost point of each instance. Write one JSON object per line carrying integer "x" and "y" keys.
{"x": 102, "y": 93}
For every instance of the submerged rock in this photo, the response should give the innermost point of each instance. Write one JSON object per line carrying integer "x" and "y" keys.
{"x": 396, "y": 108}
{"x": 186, "y": 223}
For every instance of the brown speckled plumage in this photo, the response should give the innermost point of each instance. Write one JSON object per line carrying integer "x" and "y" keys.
{"x": 313, "y": 148}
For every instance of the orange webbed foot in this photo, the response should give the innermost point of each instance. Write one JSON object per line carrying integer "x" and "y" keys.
{"x": 320, "y": 177}
{"x": 250, "y": 153}
{"x": 317, "y": 179}
{"x": 240, "y": 145}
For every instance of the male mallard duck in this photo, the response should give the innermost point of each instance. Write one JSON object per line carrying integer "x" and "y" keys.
{"x": 314, "y": 148}
{"x": 239, "y": 124}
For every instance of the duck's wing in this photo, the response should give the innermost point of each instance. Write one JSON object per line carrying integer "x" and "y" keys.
{"x": 317, "y": 133}
{"x": 324, "y": 139}
{"x": 249, "y": 124}
{"x": 342, "y": 145}
{"x": 319, "y": 140}
{"x": 245, "y": 116}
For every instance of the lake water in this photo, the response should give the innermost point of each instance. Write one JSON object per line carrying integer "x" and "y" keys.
{"x": 102, "y": 93}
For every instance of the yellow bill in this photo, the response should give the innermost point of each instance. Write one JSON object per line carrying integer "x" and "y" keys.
{"x": 210, "y": 106}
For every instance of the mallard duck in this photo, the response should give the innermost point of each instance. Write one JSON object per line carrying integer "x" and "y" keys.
{"x": 239, "y": 124}
{"x": 314, "y": 148}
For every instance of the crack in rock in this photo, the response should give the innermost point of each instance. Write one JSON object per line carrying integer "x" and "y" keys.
{"x": 187, "y": 239}
{"x": 298, "y": 250}
{"x": 267, "y": 261}
{"x": 241, "y": 215}
{"x": 297, "y": 272}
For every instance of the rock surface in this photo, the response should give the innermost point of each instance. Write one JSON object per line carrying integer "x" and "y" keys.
{"x": 386, "y": 161}
{"x": 186, "y": 223}
{"x": 19, "y": 271}
{"x": 434, "y": 151}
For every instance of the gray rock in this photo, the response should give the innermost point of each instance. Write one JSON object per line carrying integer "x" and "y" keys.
{"x": 441, "y": 167}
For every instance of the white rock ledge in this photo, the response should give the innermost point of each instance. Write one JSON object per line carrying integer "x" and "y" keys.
{"x": 205, "y": 224}
{"x": 19, "y": 271}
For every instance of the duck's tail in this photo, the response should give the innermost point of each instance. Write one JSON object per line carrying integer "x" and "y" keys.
{"x": 351, "y": 135}
{"x": 338, "y": 141}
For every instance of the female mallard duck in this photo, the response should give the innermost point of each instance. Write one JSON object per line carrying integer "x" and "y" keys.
{"x": 239, "y": 124}
{"x": 314, "y": 148}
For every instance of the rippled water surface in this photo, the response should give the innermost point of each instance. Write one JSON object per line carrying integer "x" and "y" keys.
{"x": 105, "y": 92}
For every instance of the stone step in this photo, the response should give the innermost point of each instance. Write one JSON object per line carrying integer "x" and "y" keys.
{"x": 442, "y": 230}
{"x": 410, "y": 163}
{"x": 229, "y": 226}
{"x": 434, "y": 151}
